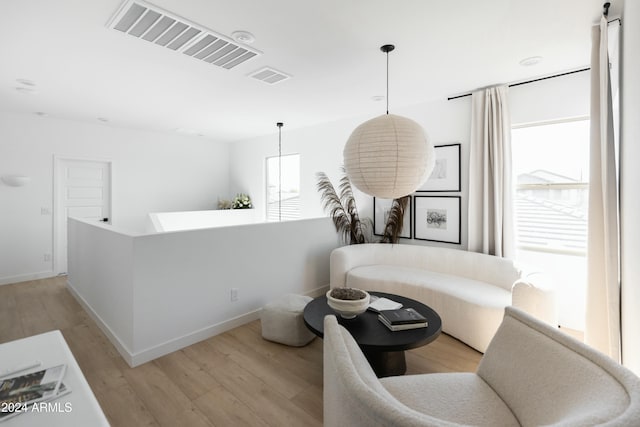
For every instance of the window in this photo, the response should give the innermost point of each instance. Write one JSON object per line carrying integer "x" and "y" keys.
{"x": 551, "y": 166}
{"x": 551, "y": 169}
{"x": 290, "y": 191}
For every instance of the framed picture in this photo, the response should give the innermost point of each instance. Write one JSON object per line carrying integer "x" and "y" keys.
{"x": 446, "y": 172}
{"x": 437, "y": 218}
{"x": 381, "y": 208}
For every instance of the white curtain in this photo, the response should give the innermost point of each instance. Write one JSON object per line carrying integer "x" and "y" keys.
{"x": 491, "y": 210}
{"x": 602, "y": 327}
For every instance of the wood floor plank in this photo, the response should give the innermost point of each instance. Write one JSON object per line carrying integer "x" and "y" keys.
{"x": 223, "y": 409}
{"x": 192, "y": 380}
{"x": 10, "y": 324}
{"x": 123, "y": 407}
{"x": 194, "y": 417}
{"x": 99, "y": 369}
{"x": 63, "y": 310}
{"x": 233, "y": 379}
{"x": 271, "y": 406}
{"x": 160, "y": 395}
{"x": 264, "y": 368}
{"x": 308, "y": 401}
{"x": 31, "y": 310}
{"x": 302, "y": 362}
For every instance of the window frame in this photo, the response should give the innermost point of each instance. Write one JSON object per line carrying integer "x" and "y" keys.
{"x": 550, "y": 185}
{"x": 267, "y": 182}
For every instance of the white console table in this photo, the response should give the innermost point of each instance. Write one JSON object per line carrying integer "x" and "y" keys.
{"x": 51, "y": 349}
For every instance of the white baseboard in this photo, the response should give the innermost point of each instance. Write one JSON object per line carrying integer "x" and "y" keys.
{"x": 144, "y": 356}
{"x": 210, "y": 331}
{"x": 186, "y": 340}
{"x": 176, "y": 344}
{"x": 119, "y": 345}
{"x": 26, "y": 277}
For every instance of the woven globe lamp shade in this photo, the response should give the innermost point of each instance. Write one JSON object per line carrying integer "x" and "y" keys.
{"x": 388, "y": 157}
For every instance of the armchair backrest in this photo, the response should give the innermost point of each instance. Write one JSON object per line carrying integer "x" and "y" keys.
{"x": 352, "y": 394}
{"x": 549, "y": 378}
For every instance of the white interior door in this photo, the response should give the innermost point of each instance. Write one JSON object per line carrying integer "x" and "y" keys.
{"x": 83, "y": 191}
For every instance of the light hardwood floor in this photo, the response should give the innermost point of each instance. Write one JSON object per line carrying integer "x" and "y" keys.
{"x": 233, "y": 379}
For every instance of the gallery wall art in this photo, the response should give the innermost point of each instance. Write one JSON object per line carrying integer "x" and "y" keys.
{"x": 437, "y": 218}
{"x": 446, "y": 172}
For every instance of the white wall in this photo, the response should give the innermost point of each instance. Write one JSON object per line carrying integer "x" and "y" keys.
{"x": 552, "y": 99}
{"x": 151, "y": 172}
{"x": 630, "y": 181}
{"x": 154, "y": 294}
{"x": 320, "y": 149}
{"x": 444, "y": 121}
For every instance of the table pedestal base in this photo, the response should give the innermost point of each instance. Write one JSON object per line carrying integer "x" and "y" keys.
{"x": 386, "y": 363}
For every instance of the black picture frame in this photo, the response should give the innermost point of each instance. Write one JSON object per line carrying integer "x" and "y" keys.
{"x": 381, "y": 207}
{"x": 437, "y": 218}
{"x": 446, "y": 174}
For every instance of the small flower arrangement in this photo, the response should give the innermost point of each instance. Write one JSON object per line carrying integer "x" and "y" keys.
{"x": 241, "y": 201}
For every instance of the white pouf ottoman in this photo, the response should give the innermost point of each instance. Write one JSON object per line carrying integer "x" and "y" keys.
{"x": 282, "y": 321}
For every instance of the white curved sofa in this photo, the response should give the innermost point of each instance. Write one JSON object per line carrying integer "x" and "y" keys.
{"x": 468, "y": 290}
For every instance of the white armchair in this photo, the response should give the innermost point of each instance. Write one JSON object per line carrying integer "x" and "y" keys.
{"x": 531, "y": 375}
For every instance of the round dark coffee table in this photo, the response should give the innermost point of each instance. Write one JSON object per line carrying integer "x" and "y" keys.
{"x": 384, "y": 349}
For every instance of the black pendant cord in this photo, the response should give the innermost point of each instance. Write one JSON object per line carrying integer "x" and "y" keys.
{"x": 279, "y": 170}
{"x": 386, "y": 49}
{"x": 387, "y": 96}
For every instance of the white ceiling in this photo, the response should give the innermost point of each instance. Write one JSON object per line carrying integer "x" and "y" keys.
{"x": 83, "y": 70}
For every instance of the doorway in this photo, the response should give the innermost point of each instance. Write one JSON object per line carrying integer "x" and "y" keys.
{"x": 82, "y": 189}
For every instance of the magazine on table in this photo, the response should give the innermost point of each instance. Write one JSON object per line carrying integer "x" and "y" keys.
{"x": 379, "y": 304}
{"x": 18, "y": 394}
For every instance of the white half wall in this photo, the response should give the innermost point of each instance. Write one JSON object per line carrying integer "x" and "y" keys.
{"x": 101, "y": 259}
{"x": 154, "y": 294}
{"x": 177, "y": 221}
{"x": 152, "y": 172}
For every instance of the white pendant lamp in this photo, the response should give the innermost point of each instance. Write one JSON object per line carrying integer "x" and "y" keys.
{"x": 388, "y": 156}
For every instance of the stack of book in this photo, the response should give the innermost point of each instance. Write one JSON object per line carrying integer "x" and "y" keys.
{"x": 20, "y": 393}
{"x": 402, "y": 319}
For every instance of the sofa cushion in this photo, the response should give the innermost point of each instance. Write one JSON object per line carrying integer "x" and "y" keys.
{"x": 470, "y": 310}
{"x": 462, "y": 398}
{"x": 394, "y": 277}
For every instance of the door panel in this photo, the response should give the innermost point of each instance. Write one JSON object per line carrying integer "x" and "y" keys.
{"x": 84, "y": 191}
{"x": 75, "y": 193}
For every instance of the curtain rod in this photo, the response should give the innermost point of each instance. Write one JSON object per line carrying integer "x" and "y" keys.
{"x": 529, "y": 81}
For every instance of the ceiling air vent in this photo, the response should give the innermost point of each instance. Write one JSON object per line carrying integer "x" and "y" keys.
{"x": 155, "y": 25}
{"x": 269, "y": 75}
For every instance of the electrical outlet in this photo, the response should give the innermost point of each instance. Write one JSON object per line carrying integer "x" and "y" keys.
{"x": 234, "y": 294}
{"x": 47, "y": 257}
